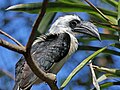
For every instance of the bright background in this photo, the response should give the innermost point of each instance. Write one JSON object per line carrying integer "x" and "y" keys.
{"x": 19, "y": 26}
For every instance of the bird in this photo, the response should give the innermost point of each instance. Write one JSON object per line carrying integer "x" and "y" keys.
{"x": 51, "y": 50}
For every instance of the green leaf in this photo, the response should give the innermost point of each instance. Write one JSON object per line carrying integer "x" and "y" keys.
{"x": 73, "y": 1}
{"x": 109, "y": 37}
{"x": 107, "y": 84}
{"x": 103, "y": 37}
{"x": 80, "y": 66}
{"x": 119, "y": 18}
{"x": 105, "y": 76}
{"x": 45, "y": 23}
{"x": 119, "y": 10}
{"x": 112, "y": 2}
{"x": 60, "y": 7}
{"x": 91, "y": 48}
{"x": 100, "y": 19}
{"x": 108, "y": 70}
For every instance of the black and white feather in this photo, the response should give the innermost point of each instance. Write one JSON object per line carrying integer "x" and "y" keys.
{"x": 52, "y": 50}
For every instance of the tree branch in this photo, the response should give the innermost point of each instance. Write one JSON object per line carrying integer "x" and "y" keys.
{"x": 18, "y": 43}
{"x": 104, "y": 16}
{"x": 12, "y": 47}
{"x": 7, "y": 73}
{"x": 94, "y": 79}
{"x": 47, "y": 77}
{"x": 36, "y": 24}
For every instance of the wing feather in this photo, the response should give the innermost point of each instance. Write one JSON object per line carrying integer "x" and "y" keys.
{"x": 46, "y": 50}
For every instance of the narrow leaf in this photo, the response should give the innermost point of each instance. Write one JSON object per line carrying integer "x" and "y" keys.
{"x": 92, "y": 48}
{"x": 119, "y": 10}
{"x": 60, "y": 7}
{"x": 99, "y": 18}
{"x": 119, "y": 18}
{"x": 80, "y": 66}
{"x": 69, "y": 1}
{"x": 107, "y": 84}
{"x": 95, "y": 82}
{"x": 46, "y": 21}
{"x": 108, "y": 70}
{"x": 112, "y": 2}
{"x": 103, "y": 37}
{"x": 105, "y": 76}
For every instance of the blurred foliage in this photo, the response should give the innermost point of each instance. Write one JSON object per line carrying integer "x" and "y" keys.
{"x": 109, "y": 33}
{"x": 1, "y": 74}
{"x": 80, "y": 66}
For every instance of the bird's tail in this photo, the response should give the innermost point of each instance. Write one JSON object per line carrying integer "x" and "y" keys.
{"x": 16, "y": 87}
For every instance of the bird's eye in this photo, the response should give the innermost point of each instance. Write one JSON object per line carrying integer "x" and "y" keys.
{"x": 74, "y": 23}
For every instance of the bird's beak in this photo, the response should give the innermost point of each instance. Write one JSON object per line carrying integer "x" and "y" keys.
{"x": 87, "y": 28}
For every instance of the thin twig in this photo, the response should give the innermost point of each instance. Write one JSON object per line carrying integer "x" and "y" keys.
{"x": 12, "y": 47}
{"x": 17, "y": 42}
{"x": 7, "y": 73}
{"x": 104, "y": 16}
{"x": 108, "y": 25}
{"x": 95, "y": 83}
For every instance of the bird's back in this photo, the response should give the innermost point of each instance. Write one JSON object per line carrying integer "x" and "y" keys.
{"x": 47, "y": 50}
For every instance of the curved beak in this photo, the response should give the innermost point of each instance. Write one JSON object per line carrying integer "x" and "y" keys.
{"x": 87, "y": 28}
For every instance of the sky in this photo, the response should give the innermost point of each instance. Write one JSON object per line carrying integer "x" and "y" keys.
{"x": 19, "y": 25}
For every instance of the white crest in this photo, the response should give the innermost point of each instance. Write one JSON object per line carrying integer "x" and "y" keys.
{"x": 62, "y": 24}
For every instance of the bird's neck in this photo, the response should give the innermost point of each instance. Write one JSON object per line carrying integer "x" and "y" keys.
{"x": 56, "y": 29}
{"x": 62, "y": 29}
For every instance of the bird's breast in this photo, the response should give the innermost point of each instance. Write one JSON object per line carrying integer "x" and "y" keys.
{"x": 73, "y": 47}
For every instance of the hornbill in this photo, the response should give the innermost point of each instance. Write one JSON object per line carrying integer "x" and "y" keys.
{"x": 52, "y": 50}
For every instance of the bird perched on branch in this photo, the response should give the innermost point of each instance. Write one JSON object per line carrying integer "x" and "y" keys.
{"x": 52, "y": 50}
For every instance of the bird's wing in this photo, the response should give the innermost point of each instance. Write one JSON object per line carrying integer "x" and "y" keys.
{"x": 46, "y": 51}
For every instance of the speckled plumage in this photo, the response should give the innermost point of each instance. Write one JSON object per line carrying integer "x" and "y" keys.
{"x": 46, "y": 51}
{"x": 52, "y": 50}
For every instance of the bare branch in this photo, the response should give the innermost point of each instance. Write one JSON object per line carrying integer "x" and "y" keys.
{"x": 47, "y": 77}
{"x": 95, "y": 83}
{"x": 104, "y": 16}
{"x": 115, "y": 27}
{"x": 106, "y": 24}
{"x": 12, "y": 47}
{"x": 7, "y": 73}
{"x": 18, "y": 43}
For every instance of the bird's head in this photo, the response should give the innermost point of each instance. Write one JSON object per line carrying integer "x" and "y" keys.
{"x": 74, "y": 25}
